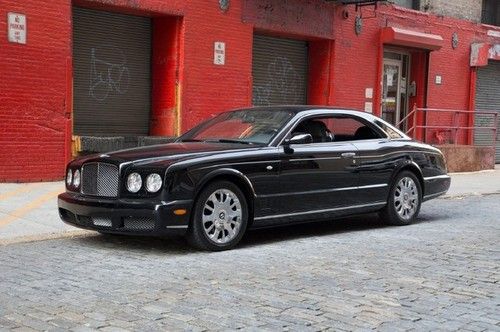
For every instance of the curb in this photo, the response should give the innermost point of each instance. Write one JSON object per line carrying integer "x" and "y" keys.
{"x": 45, "y": 237}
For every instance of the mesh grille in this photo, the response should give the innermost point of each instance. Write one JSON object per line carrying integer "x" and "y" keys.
{"x": 138, "y": 223}
{"x": 100, "y": 179}
{"x": 102, "y": 221}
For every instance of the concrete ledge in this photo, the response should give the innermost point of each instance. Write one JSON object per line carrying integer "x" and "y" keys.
{"x": 468, "y": 158}
{"x": 92, "y": 144}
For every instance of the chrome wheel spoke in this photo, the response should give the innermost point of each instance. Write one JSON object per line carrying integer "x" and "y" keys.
{"x": 406, "y": 198}
{"x": 222, "y": 216}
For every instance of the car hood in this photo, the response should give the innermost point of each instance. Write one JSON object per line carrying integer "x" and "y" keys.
{"x": 165, "y": 154}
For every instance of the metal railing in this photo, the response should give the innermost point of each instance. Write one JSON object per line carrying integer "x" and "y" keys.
{"x": 436, "y": 130}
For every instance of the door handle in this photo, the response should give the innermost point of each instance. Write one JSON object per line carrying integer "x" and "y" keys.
{"x": 348, "y": 154}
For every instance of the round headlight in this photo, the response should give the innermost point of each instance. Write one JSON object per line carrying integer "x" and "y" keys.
{"x": 153, "y": 182}
{"x": 134, "y": 182}
{"x": 77, "y": 179}
{"x": 69, "y": 177}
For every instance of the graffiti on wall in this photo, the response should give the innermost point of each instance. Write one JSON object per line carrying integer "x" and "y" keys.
{"x": 282, "y": 84}
{"x": 108, "y": 77}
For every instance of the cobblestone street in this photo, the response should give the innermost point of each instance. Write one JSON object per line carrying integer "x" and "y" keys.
{"x": 440, "y": 273}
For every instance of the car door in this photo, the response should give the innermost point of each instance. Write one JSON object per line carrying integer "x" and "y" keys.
{"x": 376, "y": 157}
{"x": 318, "y": 176}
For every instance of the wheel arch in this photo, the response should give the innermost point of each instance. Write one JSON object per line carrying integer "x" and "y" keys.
{"x": 234, "y": 176}
{"x": 410, "y": 165}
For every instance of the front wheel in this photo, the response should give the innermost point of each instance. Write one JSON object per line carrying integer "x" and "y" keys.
{"x": 220, "y": 217}
{"x": 405, "y": 199}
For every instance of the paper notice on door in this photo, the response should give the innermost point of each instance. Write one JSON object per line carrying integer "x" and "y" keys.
{"x": 390, "y": 80}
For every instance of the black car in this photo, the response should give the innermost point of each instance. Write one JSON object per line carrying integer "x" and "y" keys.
{"x": 255, "y": 167}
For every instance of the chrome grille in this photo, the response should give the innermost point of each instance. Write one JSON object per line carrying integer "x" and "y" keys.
{"x": 100, "y": 179}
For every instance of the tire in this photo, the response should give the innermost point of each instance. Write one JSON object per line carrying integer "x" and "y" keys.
{"x": 405, "y": 199}
{"x": 220, "y": 217}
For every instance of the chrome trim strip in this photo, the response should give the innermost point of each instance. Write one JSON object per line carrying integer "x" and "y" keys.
{"x": 178, "y": 227}
{"x": 325, "y": 190}
{"x": 435, "y": 195}
{"x": 319, "y": 158}
{"x": 430, "y": 178}
{"x": 397, "y": 152}
{"x": 320, "y": 211}
{"x": 242, "y": 163}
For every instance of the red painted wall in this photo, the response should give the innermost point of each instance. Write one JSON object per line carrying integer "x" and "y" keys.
{"x": 35, "y": 79}
{"x": 33, "y": 92}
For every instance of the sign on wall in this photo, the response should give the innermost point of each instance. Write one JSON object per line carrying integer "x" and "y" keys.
{"x": 16, "y": 28}
{"x": 219, "y": 53}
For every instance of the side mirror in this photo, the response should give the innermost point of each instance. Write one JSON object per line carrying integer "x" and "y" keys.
{"x": 297, "y": 138}
{"x": 300, "y": 138}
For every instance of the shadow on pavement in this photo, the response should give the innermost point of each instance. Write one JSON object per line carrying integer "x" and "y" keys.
{"x": 177, "y": 245}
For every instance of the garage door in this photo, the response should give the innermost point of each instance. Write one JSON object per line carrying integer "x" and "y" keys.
{"x": 279, "y": 70}
{"x": 111, "y": 73}
{"x": 488, "y": 99}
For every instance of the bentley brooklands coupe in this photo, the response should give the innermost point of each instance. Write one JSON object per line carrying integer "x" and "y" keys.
{"x": 252, "y": 168}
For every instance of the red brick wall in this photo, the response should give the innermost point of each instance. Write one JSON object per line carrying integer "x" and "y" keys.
{"x": 358, "y": 59}
{"x": 33, "y": 92}
{"x": 35, "y": 84}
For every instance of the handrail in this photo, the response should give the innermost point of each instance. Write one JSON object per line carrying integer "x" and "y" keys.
{"x": 454, "y": 127}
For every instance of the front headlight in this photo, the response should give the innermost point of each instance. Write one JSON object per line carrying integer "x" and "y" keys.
{"x": 77, "y": 179}
{"x": 69, "y": 177}
{"x": 153, "y": 182}
{"x": 134, "y": 182}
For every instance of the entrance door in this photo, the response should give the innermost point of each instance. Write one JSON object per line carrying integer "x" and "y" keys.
{"x": 391, "y": 96}
{"x": 395, "y": 92}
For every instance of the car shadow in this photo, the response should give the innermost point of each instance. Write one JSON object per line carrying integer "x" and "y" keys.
{"x": 177, "y": 245}
{"x": 325, "y": 228}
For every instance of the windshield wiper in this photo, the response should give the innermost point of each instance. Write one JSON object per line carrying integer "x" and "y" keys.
{"x": 191, "y": 140}
{"x": 225, "y": 140}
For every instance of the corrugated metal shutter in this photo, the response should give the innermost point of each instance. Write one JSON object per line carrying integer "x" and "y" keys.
{"x": 279, "y": 70}
{"x": 488, "y": 99}
{"x": 111, "y": 73}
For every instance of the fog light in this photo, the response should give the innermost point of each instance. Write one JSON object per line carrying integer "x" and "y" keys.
{"x": 134, "y": 182}
{"x": 76, "y": 179}
{"x": 153, "y": 182}
{"x": 69, "y": 177}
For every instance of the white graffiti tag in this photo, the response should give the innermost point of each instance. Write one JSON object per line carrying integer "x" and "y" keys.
{"x": 107, "y": 77}
{"x": 281, "y": 86}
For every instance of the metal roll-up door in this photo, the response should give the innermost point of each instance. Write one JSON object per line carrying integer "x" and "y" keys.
{"x": 111, "y": 73}
{"x": 488, "y": 99}
{"x": 279, "y": 70}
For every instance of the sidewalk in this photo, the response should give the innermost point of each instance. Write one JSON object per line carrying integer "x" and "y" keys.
{"x": 28, "y": 211}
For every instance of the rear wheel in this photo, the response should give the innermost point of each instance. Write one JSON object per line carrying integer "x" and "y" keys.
{"x": 405, "y": 199}
{"x": 220, "y": 217}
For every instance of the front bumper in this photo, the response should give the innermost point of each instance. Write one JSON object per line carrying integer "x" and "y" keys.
{"x": 123, "y": 216}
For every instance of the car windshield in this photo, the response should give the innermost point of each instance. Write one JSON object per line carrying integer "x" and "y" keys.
{"x": 243, "y": 126}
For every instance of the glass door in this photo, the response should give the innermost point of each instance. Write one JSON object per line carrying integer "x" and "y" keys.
{"x": 391, "y": 96}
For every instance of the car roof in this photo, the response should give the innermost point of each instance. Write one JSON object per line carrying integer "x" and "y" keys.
{"x": 310, "y": 109}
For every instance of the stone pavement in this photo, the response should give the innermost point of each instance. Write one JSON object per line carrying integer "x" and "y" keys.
{"x": 29, "y": 211}
{"x": 441, "y": 273}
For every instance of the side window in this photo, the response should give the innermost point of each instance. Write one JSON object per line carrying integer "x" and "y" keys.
{"x": 316, "y": 127}
{"x": 350, "y": 129}
{"x": 335, "y": 129}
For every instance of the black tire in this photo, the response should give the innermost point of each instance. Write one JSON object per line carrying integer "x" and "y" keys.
{"x": 390, "y": 214}
{"x": 197, "y": 234}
